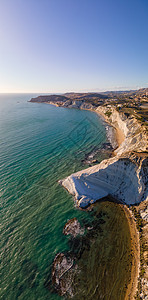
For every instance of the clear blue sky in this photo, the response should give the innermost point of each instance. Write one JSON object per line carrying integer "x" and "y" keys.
{"x": 73, "y": 45}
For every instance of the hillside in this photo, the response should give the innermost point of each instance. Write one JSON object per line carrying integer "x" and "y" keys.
{"x": 129, "y": 102}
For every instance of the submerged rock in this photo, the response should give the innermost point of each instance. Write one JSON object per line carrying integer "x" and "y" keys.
{"x": 63, "y": 272}
{"x": 64, "y": 267}
{"x": 73, "y": 228}
{"x": 85, "y": 271}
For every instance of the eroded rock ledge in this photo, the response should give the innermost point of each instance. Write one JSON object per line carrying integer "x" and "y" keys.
{"x": 136, "y": 138}
{"x": 125, "y": 176}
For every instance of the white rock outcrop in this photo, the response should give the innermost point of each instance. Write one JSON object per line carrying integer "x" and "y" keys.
{"x": 80, "y": 104}
{"x": 135, "y": 136}
{"x": 125, "y": 176}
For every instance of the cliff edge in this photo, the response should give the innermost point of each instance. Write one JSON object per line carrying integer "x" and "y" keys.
{"x": 124, "y": 176}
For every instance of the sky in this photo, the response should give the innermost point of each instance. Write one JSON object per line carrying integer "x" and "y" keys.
{"x": 56, "y": 46}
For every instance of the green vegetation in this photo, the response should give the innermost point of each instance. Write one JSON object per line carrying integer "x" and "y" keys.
{"x": 139, "y": 221}
{"x": 108, "y": 113}
{"x": 129, "y": 102}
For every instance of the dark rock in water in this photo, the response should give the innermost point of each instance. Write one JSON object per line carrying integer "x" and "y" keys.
{"x": 86, "y": 270}
{"x": 64, "y": 267}
{"x": 90, "y": 156}
{"x": 63, "y": 272}
{"x": 73, "y": 228}
{"x": 93, "y": 157}
{"x": 107, "y": 146}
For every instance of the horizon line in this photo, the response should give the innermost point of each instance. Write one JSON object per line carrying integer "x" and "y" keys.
{"x": 70, "y": 91}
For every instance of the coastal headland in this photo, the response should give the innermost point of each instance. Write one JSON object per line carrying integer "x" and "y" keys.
{"x": 124, "y": 176}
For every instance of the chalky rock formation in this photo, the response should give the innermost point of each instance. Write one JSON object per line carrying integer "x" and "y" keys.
{"x": 135, "y": 136}
{"x": 125, "y": 177}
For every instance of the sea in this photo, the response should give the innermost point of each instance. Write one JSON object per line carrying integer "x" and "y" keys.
{"x": 39, "y": 145}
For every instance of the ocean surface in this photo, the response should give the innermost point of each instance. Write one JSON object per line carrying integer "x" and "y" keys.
{"x": 39, "y": 144}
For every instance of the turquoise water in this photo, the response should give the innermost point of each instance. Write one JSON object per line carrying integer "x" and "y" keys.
{"x": 39, "y": 144}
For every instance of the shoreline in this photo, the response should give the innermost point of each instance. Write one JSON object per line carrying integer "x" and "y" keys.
{"x": 132, "y": 286}
{"x": 119, "y": 135}
{"x": 135, "y": 269}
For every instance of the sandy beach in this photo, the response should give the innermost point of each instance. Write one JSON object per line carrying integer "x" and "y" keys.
{"x": 120, "y": 137}
{"x": 132, "y": 287}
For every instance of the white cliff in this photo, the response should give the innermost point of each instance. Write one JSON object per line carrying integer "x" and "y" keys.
{"x": 125, "y": 176}
{"x": 135, "y": 135}
{"x": 80, "y": 104}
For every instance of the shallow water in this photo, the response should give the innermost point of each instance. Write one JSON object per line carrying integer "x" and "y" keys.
{"x": 39, "y": 144}
{"x": 105, "y": 263}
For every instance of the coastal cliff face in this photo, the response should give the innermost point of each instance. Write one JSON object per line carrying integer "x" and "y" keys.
{"x": 80, "y": 104}
{"x": 63, "y": 101}
{"x": 125, "y": 176}
{"x": 135, "y": 135}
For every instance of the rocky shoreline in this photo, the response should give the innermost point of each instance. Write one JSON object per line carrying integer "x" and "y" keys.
{"x": 94, "y": 250}
{"x": 124, "y": 177}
